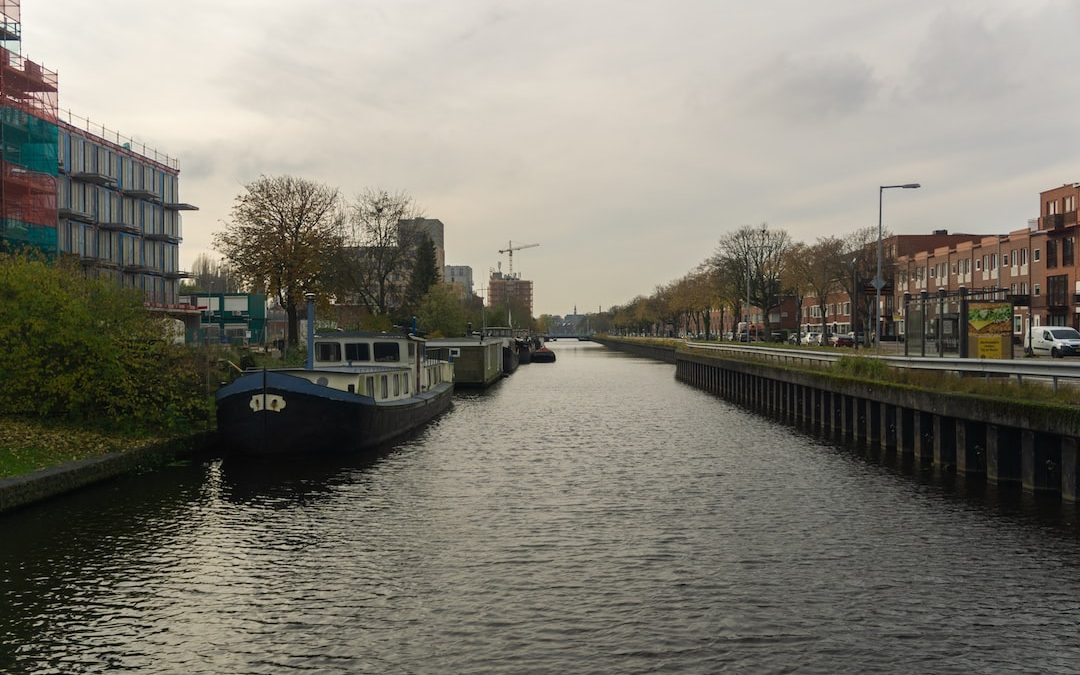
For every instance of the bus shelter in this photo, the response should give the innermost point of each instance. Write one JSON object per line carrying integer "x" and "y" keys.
{"x": 965, "y": 323}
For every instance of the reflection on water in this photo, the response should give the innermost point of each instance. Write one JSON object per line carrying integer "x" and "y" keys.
{"x": 591, "y": 515}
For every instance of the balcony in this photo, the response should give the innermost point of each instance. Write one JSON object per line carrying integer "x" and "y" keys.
{"x": 119, "y": 227}
{"x": 135, "y": 268}
{"x": 1054, "y": 221}
{"x": 75, "y": 214}
{"x": 180, "y": 206}
{"x": 139, "y": 193}
{"x": 162, "y": 236}
{"x": 95, "y": 178}
{"x": 176, "y": 274}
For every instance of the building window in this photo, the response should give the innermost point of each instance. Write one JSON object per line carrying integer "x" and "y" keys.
{"x": 1037, "y": 290}
{"x": 993, "y": 261}
{"x": 1068, "y": 251}
{"x": 1051, "y": 253}
{"x": 978, "y": 264}
{"x": 1056, "y": 290}
{"x": 1070, "y": 203}
{"x": 1035, "y": 254}
{"x": 1005, "y": 260}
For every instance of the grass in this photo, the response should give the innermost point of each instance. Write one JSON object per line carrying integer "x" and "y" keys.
{"x": 29, "y": 445}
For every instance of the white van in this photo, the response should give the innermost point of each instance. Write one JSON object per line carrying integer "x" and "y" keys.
{"x": 1057, "y": 341}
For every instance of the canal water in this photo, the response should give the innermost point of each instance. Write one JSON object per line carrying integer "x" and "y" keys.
{"x": 588, "y": 516}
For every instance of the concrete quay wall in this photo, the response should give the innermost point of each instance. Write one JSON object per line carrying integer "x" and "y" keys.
{"x": 18, "y": 491}
{"x": 1033, "y": 445}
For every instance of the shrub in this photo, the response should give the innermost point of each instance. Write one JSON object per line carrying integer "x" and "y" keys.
{"x": 84, "y": 350}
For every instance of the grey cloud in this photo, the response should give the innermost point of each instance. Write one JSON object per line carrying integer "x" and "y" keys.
{"x": 809, "y": 88}
{"x": 962, "y": 60}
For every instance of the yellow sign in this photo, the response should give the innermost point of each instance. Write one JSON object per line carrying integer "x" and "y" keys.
{"x": 990, "y": 347}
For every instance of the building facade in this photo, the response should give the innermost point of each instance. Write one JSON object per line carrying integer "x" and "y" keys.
{"x": 459, "y": 276}
{"x": 70, "y": 188}
{"x": 503, "y": 288}
{"x": 1034, "y": 267}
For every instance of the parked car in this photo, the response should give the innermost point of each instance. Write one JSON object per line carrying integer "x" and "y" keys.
{"x": 845, "y": 340}
{"x": 1057, "y": 341}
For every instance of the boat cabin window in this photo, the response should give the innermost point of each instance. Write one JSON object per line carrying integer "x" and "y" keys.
{"x": 370, "y": 386}
{"x": 327, "y": 351}
{"x": 387, "y": 351}
{"x": 385, "y": 388}
{"x": 397, "y": 385}
{"x": 357, "y": 351}
{"x": 412, "y": 350}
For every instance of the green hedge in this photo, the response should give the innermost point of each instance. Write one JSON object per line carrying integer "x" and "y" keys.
{"x": 83, "y": 350}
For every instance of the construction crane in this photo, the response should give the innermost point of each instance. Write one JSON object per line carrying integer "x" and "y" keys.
{"x": 510, "y": 248}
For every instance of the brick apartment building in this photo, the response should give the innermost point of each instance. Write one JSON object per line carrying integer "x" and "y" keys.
{"x": 1034, "y": 266}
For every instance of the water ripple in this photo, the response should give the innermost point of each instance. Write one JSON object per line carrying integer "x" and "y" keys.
{"x": 588, "y": 516}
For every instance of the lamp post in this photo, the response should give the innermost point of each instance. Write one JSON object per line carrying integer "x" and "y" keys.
{"x": 853, "y": 309}
{"x": 879, "y": 282}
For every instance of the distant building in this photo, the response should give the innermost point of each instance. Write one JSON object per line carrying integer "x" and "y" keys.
{"x": 503, "y": 287}
{"x": 433, "y": 228}
{"x": 232, "y": 318}
{"x": 459, "y": 275}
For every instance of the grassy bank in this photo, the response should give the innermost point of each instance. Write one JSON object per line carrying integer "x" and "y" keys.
{"x": 866, "y": 369}
{"x": 27, "y": 445}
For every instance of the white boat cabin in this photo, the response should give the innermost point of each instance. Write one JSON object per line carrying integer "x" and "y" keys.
{"x": 385, "y": 367}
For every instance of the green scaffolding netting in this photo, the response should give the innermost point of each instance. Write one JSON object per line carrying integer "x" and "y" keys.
{"x": 28, "y": 141}
{"x": 16, "y": 235}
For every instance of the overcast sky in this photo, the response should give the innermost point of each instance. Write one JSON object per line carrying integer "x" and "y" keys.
{"x": 625, "y": 137}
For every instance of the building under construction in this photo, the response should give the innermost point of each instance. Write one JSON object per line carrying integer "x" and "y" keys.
{"x": 504, "y": 287}
{"x": 68, "y": 187}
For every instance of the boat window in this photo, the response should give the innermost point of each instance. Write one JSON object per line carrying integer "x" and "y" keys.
{"x": 412, "y": 350}
{"x": 387, "y": 351}
{"x": 405, "y": 379}
{"x": 370, "y": 386}
{"x": 385, "y": 387}
{"x": 357, "y": 351}
{"x": 327, "y": 351}
{"x": 397, "y": 385}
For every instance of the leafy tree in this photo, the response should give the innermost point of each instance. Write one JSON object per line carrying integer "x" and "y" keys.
{"x": 378, "y": 253}
{"x": 284, "y": 233}
{"x": 85, "y": 350}
{"x": 424, "y": 277}
{"x": 442, "y": 312}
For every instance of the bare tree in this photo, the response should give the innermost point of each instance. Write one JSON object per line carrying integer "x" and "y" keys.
{"x": 822, "y": 261}
{"x": 378, "y": 252}
{"x": 759, "y": 252}
{"x": 855, "y": 269}
{"x": 283, "y": 233}
{"x": 795, "y": 279}
{"x": 211, "y": 275}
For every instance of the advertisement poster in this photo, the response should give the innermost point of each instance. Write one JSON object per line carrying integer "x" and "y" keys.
{"x": 989, "y": 318}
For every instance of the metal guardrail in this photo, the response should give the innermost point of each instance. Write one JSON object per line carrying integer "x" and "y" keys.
{"x": 1053, "y": 370}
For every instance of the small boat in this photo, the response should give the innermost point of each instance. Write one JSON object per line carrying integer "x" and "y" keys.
{"x": 543, "y": 355}
{"x": 510, "y": 358}
{"x": 359, "y": 390}
{"x": 477, "y": 360}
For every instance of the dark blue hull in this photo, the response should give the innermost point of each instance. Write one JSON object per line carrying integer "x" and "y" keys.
{"x": 292, "y": 415}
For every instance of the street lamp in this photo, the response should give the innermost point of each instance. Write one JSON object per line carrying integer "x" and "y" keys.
{"x": 878, "y": 280}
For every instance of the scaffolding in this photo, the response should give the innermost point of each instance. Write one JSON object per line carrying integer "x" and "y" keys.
{"x": 10, "y": 25}
{"x": 29, "y": 142}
